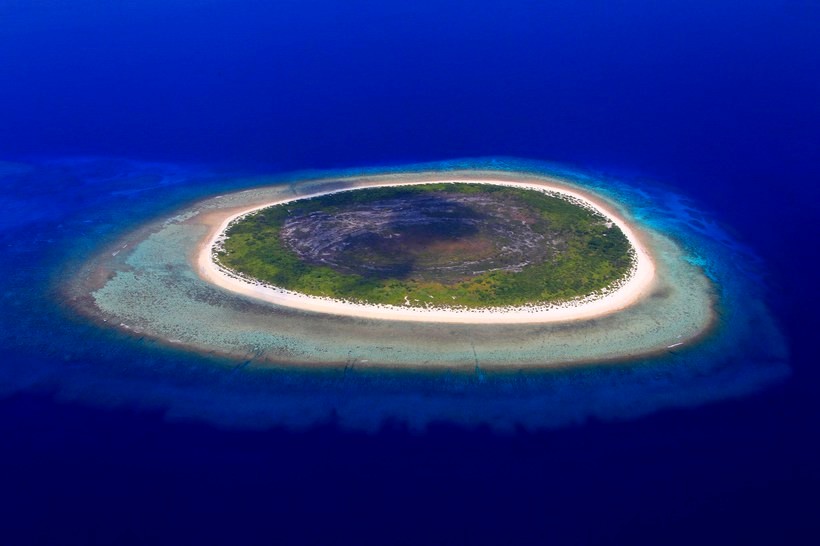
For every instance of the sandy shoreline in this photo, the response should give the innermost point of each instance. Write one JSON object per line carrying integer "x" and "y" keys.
{"x": 633, "y": 289}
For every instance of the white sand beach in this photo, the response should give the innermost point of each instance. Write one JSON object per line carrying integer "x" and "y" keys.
{"x": 631, "y": 290}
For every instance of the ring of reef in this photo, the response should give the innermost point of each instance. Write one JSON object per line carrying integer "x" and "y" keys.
{"x": 453, "y": 245}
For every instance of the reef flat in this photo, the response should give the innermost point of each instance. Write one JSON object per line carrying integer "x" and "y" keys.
{"x": 149, "y": 284}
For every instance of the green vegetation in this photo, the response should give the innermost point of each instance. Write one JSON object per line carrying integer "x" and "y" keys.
{"x": 584, "y": 252}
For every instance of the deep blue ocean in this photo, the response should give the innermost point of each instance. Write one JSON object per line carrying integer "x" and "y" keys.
{"x": 114, "y": 113}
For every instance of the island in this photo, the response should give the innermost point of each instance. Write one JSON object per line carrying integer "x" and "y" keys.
{"x": 409, "y": 268}
{"x": 447, "y": 250}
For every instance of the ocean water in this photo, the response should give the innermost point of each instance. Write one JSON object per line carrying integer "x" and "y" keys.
{"x": 704, "y": 113}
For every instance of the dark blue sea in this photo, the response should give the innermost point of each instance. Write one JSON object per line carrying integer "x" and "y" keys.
{"x": 115, "y": 113}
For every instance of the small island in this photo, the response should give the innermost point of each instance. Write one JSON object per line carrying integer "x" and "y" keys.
{"x": 436, "y": 245}
{"x": 525, "y": 269}
{"x": 458, "y": 250}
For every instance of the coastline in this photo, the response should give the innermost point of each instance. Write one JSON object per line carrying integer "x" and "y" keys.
{"x": 146, "y": 284}
{"x": 629, "y": 291}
